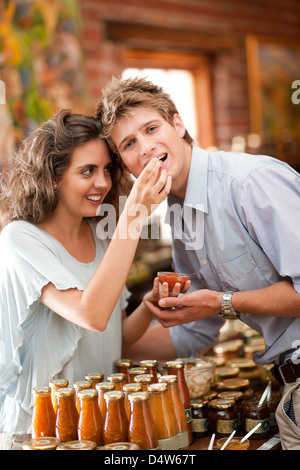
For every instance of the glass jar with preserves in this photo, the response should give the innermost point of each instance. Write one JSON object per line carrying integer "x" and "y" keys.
{"x": 43, "y": 416}
{"x": 128, "y": 389}
{"x": 119, "y": 379}
{"x": 122, "y": 366}
{"x": 272, "y": 401}
{"x": 55, "y": 385}
{"x": 94, "y": 377}
{"x": 163, "y": 417}
{"x": 134, "y": 371}
{"x": 178, "y": 409}
{"x": 67, "y": 415}
{"x": 90, "y": 424}
{"x": 116, "y": 422}
{"x": 81, "y": 385}
{"x": 43, "y": 443}
{"x": 102, "y": 388}
{"x": 151, "y": 367}
{"x": 141, "y": 426}
{"x": 252, "y": 414}
{"x": 77, "y": 445}
{"x": 144, "y": 380}
{"x": 238, "y": 398}
{"x": 222, "y": 417}
{"x": 200, "y": 423}
{"x": 229, "y": 349}
{"x": 177, "y": 368}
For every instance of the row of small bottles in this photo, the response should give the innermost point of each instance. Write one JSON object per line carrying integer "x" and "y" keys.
{"x": 133, "y": 405}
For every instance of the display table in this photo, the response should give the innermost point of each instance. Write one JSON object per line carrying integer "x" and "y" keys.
{"x": 269, "y": 443}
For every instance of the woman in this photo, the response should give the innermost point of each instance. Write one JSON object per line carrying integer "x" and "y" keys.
{"x": 62, "y": 292}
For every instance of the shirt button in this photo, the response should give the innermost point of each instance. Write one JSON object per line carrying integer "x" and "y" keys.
{"x": 205, "y": 261}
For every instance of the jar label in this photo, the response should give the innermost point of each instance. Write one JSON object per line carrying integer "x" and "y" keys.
{"x": 169, "y": 443}
{"x": 251, "y": 423}
{"x": 183, "y": 439}
{"x": 200, "y": 425}
{"x": 226, "y": 426}
{"x": 188, "y": 415}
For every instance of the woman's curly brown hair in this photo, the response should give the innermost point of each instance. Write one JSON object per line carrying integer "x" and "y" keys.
{"x": 29, "y": 189}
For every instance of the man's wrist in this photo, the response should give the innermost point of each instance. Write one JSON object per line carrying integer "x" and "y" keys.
{"x": 227, "y": 310}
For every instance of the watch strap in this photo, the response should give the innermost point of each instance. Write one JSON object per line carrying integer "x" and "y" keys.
{"x": 227, "y": 310}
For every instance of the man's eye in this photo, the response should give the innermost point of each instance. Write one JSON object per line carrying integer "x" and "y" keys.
{"x": 108, "y": 168}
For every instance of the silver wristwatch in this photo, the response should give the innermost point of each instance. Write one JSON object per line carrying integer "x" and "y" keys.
{"x": 227, "y": 310}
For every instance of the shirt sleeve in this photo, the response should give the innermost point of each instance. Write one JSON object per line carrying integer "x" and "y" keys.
{"x": 270, "y": 209}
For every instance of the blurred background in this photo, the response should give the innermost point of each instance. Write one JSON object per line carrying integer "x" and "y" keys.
{"x": 232, "y": 67}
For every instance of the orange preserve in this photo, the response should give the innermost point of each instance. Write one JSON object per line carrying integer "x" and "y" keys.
{"x": 116, "y": 423}
{"x": 55, "y": 385}
{"x": 81, "y": 385}
{"x": 43, "y": 416}
{"x": 119, "y": 379}
{"x": 90, "y": 425}
{"x": 177, "y": 368}
{"x": 172, "y": 278}
{"x": 144, "y": 380}
{"x": 102, "y": 388}
{"x": 141, "y": 425}
{"x": 128, "y": 389}
{"x": 123, "y": 365}
{"x": 94, "y": 377}
{"x": 163, "y": 417}
{"x": 151, "y": 366}
{"x": 178, "y": 409}
{"x": 67, "y": 415}
{"x": 134, "y": 371}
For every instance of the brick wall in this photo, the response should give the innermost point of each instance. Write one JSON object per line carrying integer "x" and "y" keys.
{"x": 236, "y": 18}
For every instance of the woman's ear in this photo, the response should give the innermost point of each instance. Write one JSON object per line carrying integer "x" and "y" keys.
{"x": 178, "y": 124}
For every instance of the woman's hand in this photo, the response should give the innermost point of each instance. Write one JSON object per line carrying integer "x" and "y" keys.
{"x": 161, "y": 290}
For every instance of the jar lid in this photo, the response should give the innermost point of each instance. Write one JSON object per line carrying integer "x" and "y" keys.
{"x": 177, "y": 364}
{"x": 157, "y": 387}
{"x": 94, "y": 376}
{"x": 105, "y": 386}
{"x": 220, "y": 403}
{"x": 227, "y": 371}
{"x": 168, "y": 379}
{"x": 241, "y": 363}
{"x": 41, "y": 443}
{"x": 210, "y": 395}
{"x": 124, "y": 363}
{"x": 114, "y": 395}
{"x": 137, "y": 370}
{"x": 231, "y": 395}
{"x": 117, "y": 377}
{"x": 134, "y": 387}
{"x": 60, "y": 383}
{"x": 234, "y": 384}
{"x": 77, "y": 445}
{"x": 199, "y": 403}
{"x": 219, "y": 361}
{"x": 144, "y": 378}
{"x": 82, "y": 384}
{"x": 65, "y": 392}
{"x": 87, "y": 394}
{"x": 122, "y": 446}
{"x": 41, "y": 391}
{"x": 148, "y": 363}
{"x": 138, "y": 396}
{"x": 226, "y": 346}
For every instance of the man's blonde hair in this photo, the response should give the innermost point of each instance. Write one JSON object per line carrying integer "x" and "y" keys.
{"x": 121, "y": 95}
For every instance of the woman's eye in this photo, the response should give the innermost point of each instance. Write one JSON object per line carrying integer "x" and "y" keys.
{"x": 87, "y": 171}
{"x": 128, "y": 145}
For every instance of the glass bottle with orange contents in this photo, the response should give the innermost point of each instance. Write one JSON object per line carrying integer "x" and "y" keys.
{"x": 163, "y": 417}
{"x": 94, "y": 377}
{"x": 144, "y": 380}
{"x": 178, "y": 409}
{"x": 55, "y": 385}
{"x": 141, "y": 426}
{"x": 151, "y": 366}
{"x": 102, "y": 388}
{"x": 119, "y": 379}
{"x": 67, "y": 415}
{"x": 116, "y": 422}
{"x": 43, "y": 416}
{"x": 128, "y": 389}
{"x": 122, "y": 366}
{"x": 90, "y": 424}
{"x": 134, "y": 371}
{"x": 177, "y": 368}
{"x": 81, "y": 385}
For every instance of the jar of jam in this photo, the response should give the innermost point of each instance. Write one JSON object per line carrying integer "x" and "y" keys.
{"x": 94, "y": 377}
{"x": 116, "y": 422}
{"x": 119, "y": 379}
{"x": 229, "y": 349}
{"x": 134, "y": 371}
{"x": 102, "y": 388}
{"x": 222, "y": 417}
{"x": 238, "y": 398}
{"x": 90, "y": 425}
{"x": 177, "y": 408}
{"x": 144, "y": 380}
{"x": 163, "y": 417}
{"x": 77, "y": 445}
{"x": 67, "y": 415}
{"x": 55, "y": 385}
{"x": 127, "y": 389}
{"x": 43, "y": 416}
{"x": 211, "y": 395}
{"x": 141, "y": 426}
{"x": 272, "y": 402}
{"x": 223, "y": 373}
{"x": 177, "y": 368}
{"x": 200, "y": 423}
{"x": 252, "y": 414}
{"x": 42, "y": 443}
{"x": 122, "y": 366}
{"x": 81, "y": 385}
{"x": 151, "y": 366}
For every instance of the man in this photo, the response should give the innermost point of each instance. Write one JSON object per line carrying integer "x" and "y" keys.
{"x": 243, "y": 257}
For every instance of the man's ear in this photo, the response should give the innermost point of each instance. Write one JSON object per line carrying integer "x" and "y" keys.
{"x": 178, "y": 124}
